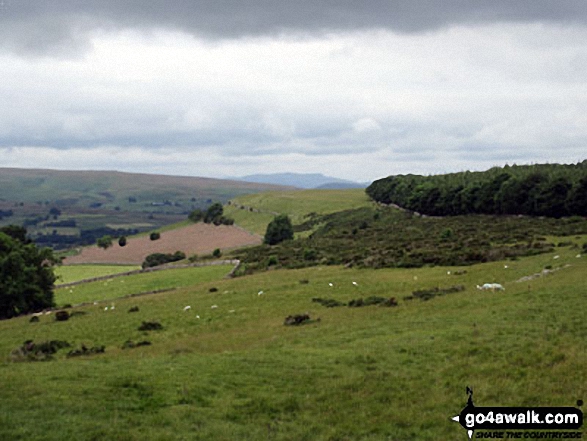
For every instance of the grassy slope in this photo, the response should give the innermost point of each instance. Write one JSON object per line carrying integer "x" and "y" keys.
{"x": 358, "y": 374}
{"x": 74, "y": 273}
{"x": 297, "y": 204}
{"x": 140, "y": 283}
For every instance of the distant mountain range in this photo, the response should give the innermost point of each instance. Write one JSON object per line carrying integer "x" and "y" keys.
{"x": 303, "y": 180}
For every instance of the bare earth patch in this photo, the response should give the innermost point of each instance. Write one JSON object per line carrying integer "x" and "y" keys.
{"x": 198, "y": 239}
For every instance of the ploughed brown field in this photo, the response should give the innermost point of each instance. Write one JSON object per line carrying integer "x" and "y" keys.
{"x": 198, "y": 239}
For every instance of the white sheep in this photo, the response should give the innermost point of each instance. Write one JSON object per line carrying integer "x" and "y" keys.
{"x": 214, "y": 307}
{"x": 187, "y": 308}
{"x": 491, "y": 287}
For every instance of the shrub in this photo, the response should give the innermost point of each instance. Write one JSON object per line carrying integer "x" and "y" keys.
{"x": 196, "y": 215}
{"x": 217, "y": 253}
{"x": 86, "y": 351}
{"x": 104, "y": 242}
{"x": 150, "y": 326}
{"x": 294, "y": 320}
{"x": 44, "y": 351}
{"x": 310, "y": 254}
{"x": 329, "y": 303}
{"x": 61, "y": 316}
{"x": 213, "y": 213}
{"x": 157, "y": 259}
{"x": 155, "y": 235}
{"x": 278, "y": 230}
{"x": 129, "y": 344}
{"x": 122, "y": 241}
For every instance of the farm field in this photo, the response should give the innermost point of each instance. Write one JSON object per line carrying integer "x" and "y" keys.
{"x": 362, "y": 373}
{"x": 135, "y": 284}
{"x": 191, "y": 239}
{"x": 298, "y": 205}
{"x": 74, "y": 273}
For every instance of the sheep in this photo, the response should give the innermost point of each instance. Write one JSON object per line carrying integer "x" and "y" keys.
{"x": 187, "y": 308}
{"x": 214, "y": 307}
{"x": 556, "y": 257}
{"x": 491, "y": 287}
{"x": 330, "y": 284}
{"x": 260, "y": 293}
{"x": 355, "y": 283}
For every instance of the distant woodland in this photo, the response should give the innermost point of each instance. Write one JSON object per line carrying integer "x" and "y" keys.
{"x": 552, "y": 190}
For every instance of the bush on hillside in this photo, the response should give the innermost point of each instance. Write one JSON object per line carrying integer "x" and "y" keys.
{"x": 104, "y": 242}
{"x": 155, "y": 235}
{"x": 278, "y": 230}
{"x": 157, "y": 259}
{"x": 213, "y": 215}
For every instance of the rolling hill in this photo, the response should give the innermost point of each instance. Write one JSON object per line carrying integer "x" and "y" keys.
{"x": 62, "y": 209}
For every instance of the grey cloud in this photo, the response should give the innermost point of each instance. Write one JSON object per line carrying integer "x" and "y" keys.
{"x": 62, "y": 27}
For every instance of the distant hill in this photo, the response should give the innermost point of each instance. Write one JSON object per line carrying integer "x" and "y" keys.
{"x": 341, "y": 186}
{"x": 303, "y": 180}
{"x": 112, "y": 188}
{"x": 62, "y": 209}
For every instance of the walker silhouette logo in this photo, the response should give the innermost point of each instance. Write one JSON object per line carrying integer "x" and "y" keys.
{"x": 502, "y": 419}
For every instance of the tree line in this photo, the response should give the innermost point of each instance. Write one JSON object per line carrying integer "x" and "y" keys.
{"x": 552, "y": 190}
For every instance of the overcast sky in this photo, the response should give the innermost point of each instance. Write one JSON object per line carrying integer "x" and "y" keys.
{"x": 352, "y": 89}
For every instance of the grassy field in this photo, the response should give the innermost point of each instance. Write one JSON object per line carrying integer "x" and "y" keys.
{"x": 140, "y": 283}
{"x": 298, "y": 205}
{"x": 74, "y": 273}
{"x": 370, "y": 373}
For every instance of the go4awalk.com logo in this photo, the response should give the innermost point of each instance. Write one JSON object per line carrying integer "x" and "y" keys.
{"x": 520, "y": 422}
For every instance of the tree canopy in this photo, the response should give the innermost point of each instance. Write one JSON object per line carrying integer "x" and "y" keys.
{"x": 552, "y": 190}
{"x": 278, "y": 230}
{"x": 26, "y": 277}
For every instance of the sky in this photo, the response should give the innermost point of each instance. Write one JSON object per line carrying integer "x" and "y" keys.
{"x": 354, "y": 90}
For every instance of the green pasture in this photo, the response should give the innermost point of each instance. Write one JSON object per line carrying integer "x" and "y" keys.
{"x": 297, "y": 204}
{"x": 75, "y": 273}
{"x": 237, "y": 373}
{"x": 116, "y": 287}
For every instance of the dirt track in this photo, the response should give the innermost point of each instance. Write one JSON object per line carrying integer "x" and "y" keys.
{"x": 198, "y": 239}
